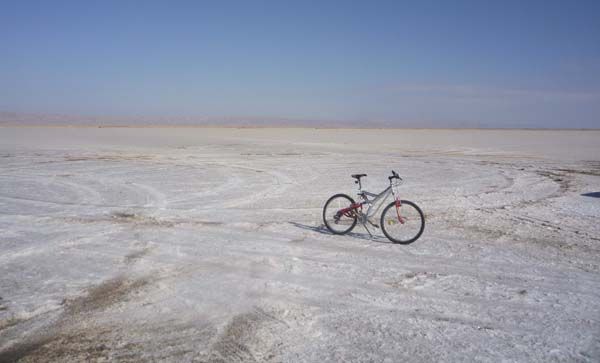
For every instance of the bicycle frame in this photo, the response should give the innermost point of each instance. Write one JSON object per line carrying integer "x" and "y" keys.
{"x": 374, "y": 204}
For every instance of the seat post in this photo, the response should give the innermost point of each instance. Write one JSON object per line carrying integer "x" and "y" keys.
{"x": 357, "y": 177}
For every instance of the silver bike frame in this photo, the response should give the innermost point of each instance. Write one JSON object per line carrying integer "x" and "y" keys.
{"x": 378, "y": 200}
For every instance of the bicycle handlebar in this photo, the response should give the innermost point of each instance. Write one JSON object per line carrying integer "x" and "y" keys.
{"x": 394, "y": 176}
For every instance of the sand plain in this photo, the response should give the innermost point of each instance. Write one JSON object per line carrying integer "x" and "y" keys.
{"x": 207, "y": 245}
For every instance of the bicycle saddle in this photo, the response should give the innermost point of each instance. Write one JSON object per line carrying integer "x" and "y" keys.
{"x": 358, "y": 176}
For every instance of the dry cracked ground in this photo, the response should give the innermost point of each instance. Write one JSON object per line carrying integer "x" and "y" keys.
{"x": 207, "y": 245}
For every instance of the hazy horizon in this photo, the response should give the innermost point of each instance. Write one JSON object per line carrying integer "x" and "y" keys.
{"x": 387, "y": 64}
{"x": 12, "y": 119}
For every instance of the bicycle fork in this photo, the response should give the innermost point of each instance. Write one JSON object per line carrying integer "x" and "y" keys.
{"x": 398, "y": 205}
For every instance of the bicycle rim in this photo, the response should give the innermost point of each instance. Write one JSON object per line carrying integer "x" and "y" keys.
{"x": 406, "y": 229}
{"x": 336, "y": 223}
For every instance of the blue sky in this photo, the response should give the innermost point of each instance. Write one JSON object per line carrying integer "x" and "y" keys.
{"x": 432, "y": 63}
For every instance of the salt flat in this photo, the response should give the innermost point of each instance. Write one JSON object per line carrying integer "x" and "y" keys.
{"x": 199, "y": 244}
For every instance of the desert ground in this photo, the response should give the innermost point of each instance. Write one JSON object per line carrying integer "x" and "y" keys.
{"x": 207, "y": 245}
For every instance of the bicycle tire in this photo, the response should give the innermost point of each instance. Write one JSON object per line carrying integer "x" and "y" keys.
{"x": 415, "y": 217}
{"x": 330, "y": 221}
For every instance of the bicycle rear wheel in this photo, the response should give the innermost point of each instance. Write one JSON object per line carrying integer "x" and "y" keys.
{"x": 404, "y": 229}
{"x": 336, "y": 222}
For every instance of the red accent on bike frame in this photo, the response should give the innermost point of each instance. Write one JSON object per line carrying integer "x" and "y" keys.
{"x": 398, "y": 205}
{"x": 348, "y": 209}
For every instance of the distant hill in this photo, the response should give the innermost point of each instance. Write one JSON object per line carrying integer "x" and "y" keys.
{"x": 55, "y": 119}
{"x": 48, "y": 119}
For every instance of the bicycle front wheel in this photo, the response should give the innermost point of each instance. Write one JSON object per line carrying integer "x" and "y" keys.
{"x": 336, "y": 222}
{"x": 403, "y": 225}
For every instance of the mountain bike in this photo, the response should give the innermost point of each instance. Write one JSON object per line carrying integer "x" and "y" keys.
{"x": 401, "y": 221}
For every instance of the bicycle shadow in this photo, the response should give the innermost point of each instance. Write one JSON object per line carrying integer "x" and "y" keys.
{"x": 592, "y": 194}
{"x": 323, "y": 230}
